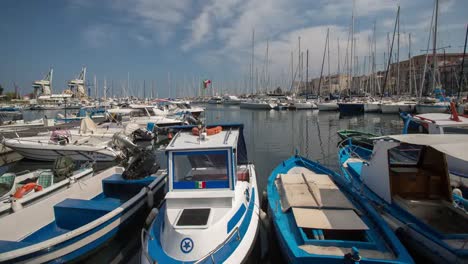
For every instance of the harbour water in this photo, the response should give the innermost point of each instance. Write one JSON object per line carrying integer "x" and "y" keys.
{"x": 271, "y": 137}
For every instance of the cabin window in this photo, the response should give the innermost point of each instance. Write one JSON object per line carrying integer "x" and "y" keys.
{"x": 455, "y": 130}
{"x": 405, "y": 155}
{"x": 201, "y": 170}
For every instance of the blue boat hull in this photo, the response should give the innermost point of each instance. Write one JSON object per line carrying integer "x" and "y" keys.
{"x": 287, "y": 239}
{"x": 351, "y": 108}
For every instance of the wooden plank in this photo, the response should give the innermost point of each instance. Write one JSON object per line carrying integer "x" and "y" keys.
{"x": 328, "y": 219}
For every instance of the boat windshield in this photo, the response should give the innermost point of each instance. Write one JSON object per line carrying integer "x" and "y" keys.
{"x": 456, "y": 130}
{"x": 200, "y": 170}
{"x": 405, "y": 154}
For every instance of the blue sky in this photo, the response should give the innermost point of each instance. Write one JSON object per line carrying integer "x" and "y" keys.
{"x": 192, "y": 40}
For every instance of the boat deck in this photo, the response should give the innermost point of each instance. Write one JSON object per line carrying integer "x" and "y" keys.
{"x": 72, "y": 213}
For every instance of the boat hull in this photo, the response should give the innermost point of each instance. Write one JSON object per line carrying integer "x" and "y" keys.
{"x": 351, "y": 108}
{"x": 396, "y": 108}
{"x": 288, "y": 239}
{"x": 78, "y": 243}
{"x": 261, "y": 106}
{"x": 239, "y": 242}
{"x": 327, "y": 106}
{"x": 371, "y": 108}
{"x": 51, "y": 153}
{"x": 426, "y": 108}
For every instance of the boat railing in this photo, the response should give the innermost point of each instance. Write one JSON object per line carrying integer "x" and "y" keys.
{"x": 211, "y": 253}
{"x": 351, "y": 151}
{"x": 144, "y": 232}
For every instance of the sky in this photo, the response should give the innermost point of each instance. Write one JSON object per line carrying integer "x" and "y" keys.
{"x": 171, "y": 45}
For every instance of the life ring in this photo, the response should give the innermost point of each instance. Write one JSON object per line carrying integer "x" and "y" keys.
{"x": 25, "y": 189}
{"x": 209, "y": 131}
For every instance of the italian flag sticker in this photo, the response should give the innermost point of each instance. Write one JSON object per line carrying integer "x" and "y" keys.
{"x": 200, "y": 185}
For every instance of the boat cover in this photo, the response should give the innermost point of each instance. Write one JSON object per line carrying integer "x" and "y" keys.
{"x": 87, "y": 126}
{"x": 453, "y": 145}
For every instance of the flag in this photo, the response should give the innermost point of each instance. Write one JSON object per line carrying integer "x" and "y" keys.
{"x": 200, "y": 185}
{"x": 205, "y": 83}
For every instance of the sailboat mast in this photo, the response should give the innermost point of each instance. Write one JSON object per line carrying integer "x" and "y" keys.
{"x": 299, "y": 66}
{"x": 434, "y": 46}
{"x": 307, "y": 72}
{"x": 462, "y": 64}
{"x": 398, "y": 55}
{"x": 328, "y": 61}
{"x": 410, "y": 65}
{"x": 323, "y": 62}
{"x": 252, "y": 62}
{"x": 352, "y": 50}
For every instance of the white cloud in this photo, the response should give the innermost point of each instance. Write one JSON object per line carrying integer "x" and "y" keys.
{"x": 97, "y": 36}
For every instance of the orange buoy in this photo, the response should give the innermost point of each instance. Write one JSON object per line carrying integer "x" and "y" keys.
{"x": 209, "y": 131}
{"x": 25, "y": 189}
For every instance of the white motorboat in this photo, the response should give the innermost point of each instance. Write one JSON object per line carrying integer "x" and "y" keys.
{"x": 232, "y": 100}
{"x": 215, "y": 100}
{"x": 27, "y": 188}
{"x": 257, "y": 104}
{"x": 438, "y": 107}
{"x": 397, "y": 107}
{"x": 327, "y": 106}
{"x": 211, "y": 211}
{"x": 302, "y": 105}
{"x": 63, "y": 143}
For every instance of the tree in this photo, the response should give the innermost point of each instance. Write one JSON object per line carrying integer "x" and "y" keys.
{"x": 1, "y": 89}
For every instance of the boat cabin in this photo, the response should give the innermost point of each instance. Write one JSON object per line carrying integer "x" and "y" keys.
{"x": 204, "y": 169}
{"x": 410, "y": 171}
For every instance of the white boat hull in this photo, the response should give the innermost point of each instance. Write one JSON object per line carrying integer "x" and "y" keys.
{"x": 327, "y": 106}
{"x": 396, "y": 108}
{"x": 304, "y": 106}
{"x": 50, "y": 152}
{"x": 250, "y": 105}
{"x": 371, "y": 107}
{"x": 429, "y": 108}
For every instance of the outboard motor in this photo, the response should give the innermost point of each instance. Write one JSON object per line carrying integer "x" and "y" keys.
{"x": 141, "y": 162}
{"x": 124, "y": 143}
{"x": 190, "y": 119}
{"x": 141, "y": 165}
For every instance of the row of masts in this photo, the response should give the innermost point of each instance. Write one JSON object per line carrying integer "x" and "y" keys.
{"x": 386, "y": 80}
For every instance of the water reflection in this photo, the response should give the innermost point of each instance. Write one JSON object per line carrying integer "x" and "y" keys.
{"x": 273, "y": 136}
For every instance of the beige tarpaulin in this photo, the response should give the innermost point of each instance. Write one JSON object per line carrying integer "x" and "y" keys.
{"x": 87, "y": 126}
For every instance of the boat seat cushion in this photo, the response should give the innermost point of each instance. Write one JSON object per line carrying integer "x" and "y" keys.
{"x": 74, "y": 213}
{"x": 117, "y": 187}
{"x": 6, "y": 245}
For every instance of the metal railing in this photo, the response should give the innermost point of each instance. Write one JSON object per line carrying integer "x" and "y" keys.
{"x": 211, "y": 253}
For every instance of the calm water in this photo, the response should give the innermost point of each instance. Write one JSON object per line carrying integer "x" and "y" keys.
{"x": 271, "y": 137}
